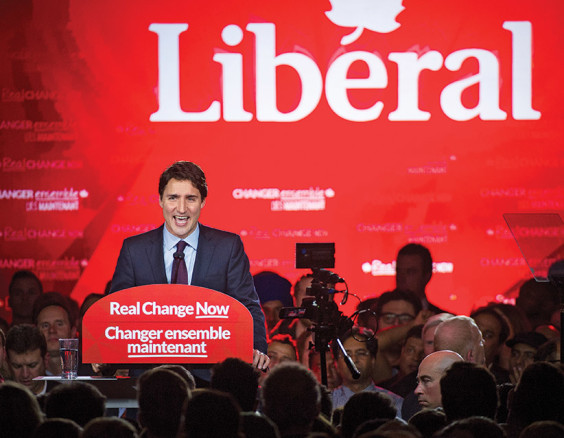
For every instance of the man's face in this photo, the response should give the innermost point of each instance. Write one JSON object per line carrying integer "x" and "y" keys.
{"x": 429, "y": 340}
{"x": 397, "y": 312}
{"x": 54, "y": 324}
{"x": 362, "y": 359}
{"x": 410, "y": 275}
{"x": 26, "y": 366}
{"x": 428, "y": 390}
{"x": 279, "y": 352}
{"x": 491, "y": 329}
{"x": 181, "y": 203}
{"x": 23, "y": 294}
{"x": 522, "y": 355}
{"x": 271, "y": 311}
{"x": 411, "y": 355}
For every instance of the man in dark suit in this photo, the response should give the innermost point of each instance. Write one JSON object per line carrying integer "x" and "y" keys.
{"x": 214, "y": 259}
{"x": 414, "y": 268}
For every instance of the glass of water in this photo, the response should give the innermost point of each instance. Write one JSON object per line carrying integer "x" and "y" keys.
{"x": 68, "y": 348}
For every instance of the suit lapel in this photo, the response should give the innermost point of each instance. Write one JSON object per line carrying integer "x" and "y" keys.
{"x": 155, "y": 256}
{"x": 204, "y": 257}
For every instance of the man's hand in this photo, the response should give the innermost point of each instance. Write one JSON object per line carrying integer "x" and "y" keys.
{"x": 260, "y": 360}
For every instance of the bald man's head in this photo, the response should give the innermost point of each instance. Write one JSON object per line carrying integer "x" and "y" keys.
{"x": 462, "y": 335}
{"x": 431, "y": 369}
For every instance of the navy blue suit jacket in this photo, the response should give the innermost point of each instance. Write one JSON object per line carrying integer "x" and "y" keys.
{"x": 221, "y": 264}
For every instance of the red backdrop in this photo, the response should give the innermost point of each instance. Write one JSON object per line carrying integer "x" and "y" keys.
{"x": 455, "y": 119}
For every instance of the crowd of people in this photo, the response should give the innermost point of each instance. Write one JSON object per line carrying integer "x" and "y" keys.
{"x": 419, "y": 371}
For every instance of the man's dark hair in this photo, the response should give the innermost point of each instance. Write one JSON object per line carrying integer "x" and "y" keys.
{"x": 538, "y": 396}
{"x": 255, "y": 425}
{"x": 477, "y": 427}
{"x": 182, "y": 372}
{"x": 421, "y": 251}
{"x": 51, "y": 299}
{"x": 468, "y": 390}
{"x": 58, "y": 428}
{"x": 428, "y": 421}
{"x": 25, "y": 337}
{"x": 24, "y": 274}
{"x": 364, "y": 406}
{"x": 184, "y": 171}
{"x": 487, "y": 310}
{"x": 544, "y": 429}
{"x": 109, "y": 427}
{"x": 212, "y": 414}
{"x": 285, "y": 339}
{"x": 20, "y": 410}
{"x": 414, "y": 332}
{"x": 239, "y": 379}
{"x": 161, "y": 396}
{"x": 77, "y": 401}
{"x": 397, "y": 295}
{"x": 361, "y": 334}
{"x": 291, "y": 398}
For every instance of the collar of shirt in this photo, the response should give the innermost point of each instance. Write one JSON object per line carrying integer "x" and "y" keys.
{"x": 170, "y": 240}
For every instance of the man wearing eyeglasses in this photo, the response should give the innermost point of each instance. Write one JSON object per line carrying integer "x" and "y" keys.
{"x": 361, "y": 345}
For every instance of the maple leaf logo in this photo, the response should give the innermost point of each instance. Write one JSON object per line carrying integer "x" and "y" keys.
{"x": 376, "y": 15}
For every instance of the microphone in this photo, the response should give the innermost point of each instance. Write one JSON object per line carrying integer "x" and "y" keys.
{"x": 178, "y": 255}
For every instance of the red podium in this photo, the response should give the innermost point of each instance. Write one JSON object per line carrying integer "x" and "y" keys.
{"x": 166, "y": 323}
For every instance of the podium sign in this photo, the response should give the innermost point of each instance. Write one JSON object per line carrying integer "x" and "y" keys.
{"x": 166, "y": 323}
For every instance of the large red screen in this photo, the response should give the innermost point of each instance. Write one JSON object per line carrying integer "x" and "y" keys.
{"x": 365, "y": 123}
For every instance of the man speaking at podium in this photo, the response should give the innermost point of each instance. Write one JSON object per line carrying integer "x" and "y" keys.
{"x": 184, "y": 251}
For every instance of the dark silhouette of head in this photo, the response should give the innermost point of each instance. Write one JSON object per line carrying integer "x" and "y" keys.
{"x": 77, "y": 401}
{"x": 468, "y": 390}
{"x": 109, "y": 427}
{"x": 58, "y": 428}
{"x": 20, "y": 411}
{"x": 161, "y": 396}
{"x": 291, "y": 398}
{"x": 364, "y": 406}
{"x": 212, "y": 414}
{"x": 239, "y": 379}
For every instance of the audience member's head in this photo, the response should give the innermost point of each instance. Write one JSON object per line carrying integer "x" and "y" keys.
{"x": 397, "y": 428}
{"x": 109, "y": 427}
{"x": 428, "y": 421}
{"x": 20, "y": 411}
{"x": 255, "y": 425}
{"x": 314, "y": 364}
{"x": 468, "y": 390}
{"x": 212, "y": 414}
{"x": 538, "y": 301}
{"x": 291, "y": 398}
{"x": 523, "y": 346}
{"x": 431, "y": 370}
{"x": 26, "y": 351}
{"x": 414, "y": 268}
{"x": 24, "y": 289}
{"x": 429, "y": 329}
{"x": 472, "y": 427}
{"x": 77, "y": 401}
{"x": 494, "y": 328}
{"x": 364, "y": 406}
{"x": 412, "y": 351}
{"x": 543, "y": 429}
{"x": 51, "y": 314}
{"x": 182, "y": 372}
{"x": 539, "y": 395}
{"x": 58, "y": 428}
{"x": 161, "y": 395}
{"x": 397, "y": 307}
{"x": 462, "y": 335}
{"x": 281, "y": 348}
{"x": 361, "y": 345}
{"x": 239, "y": 379}
{"x": 273, "y": 291}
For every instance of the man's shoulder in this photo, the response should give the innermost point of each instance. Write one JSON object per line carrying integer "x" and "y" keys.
{"x": 210, "y": 233}
{"x": 144, "y": 238}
